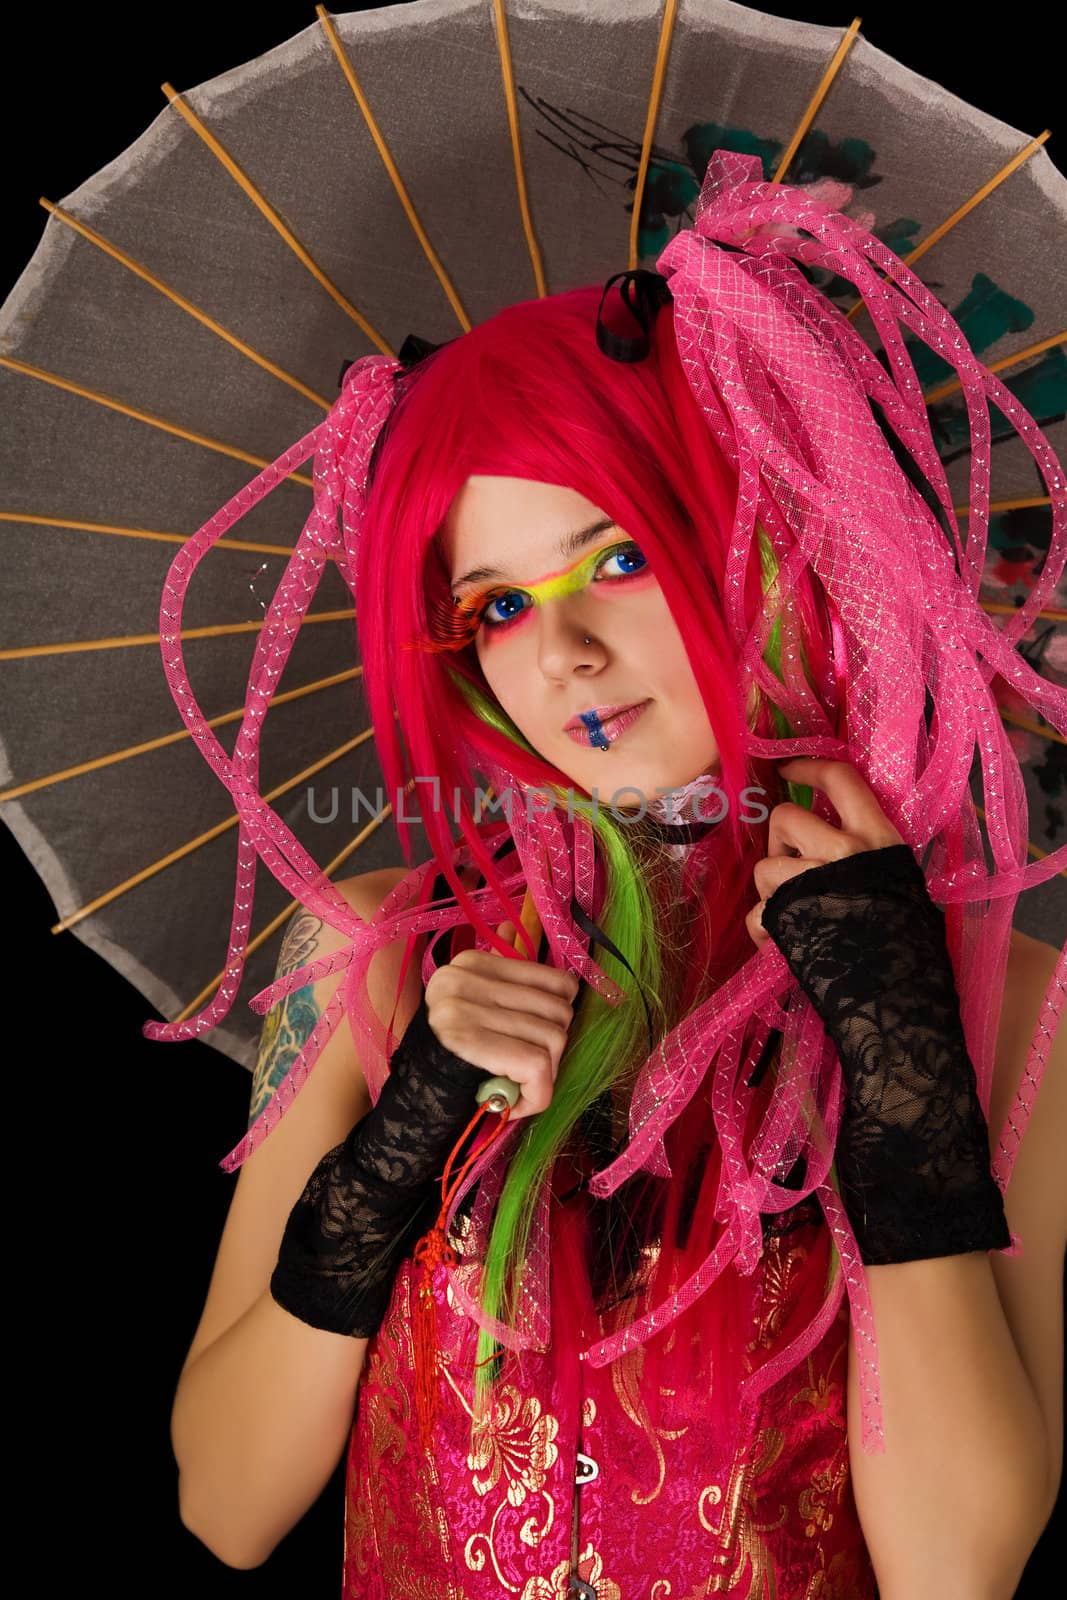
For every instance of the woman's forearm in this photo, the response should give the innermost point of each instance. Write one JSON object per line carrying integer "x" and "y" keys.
{"x": 260, "y": 1420}
{"x": 960, "y": 1495}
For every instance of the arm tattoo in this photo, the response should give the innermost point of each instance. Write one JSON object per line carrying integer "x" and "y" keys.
{"x": 287, "y": 1028}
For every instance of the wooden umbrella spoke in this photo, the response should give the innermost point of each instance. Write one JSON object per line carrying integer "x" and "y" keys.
{"x": 504, "y": 49}
{"x": 1032, "y": 727}
{"x": 201, "y": 839}
{"x": 283, "y": 230}
{"x": 1002, "y": 607}
{"x": 391, "y": 168}
{"x": 659, "y": 73}
{"x": 182, "y": 303}
{"x": 217, "y": 630}
{"x": 1008, "y": 505}
{"x": 952, "y": 384}
{"x": 144, "y": 533}
{"x": 836, "y": 63}
{"x": 1034, "y": 849}
{"x": 145, "y": 416}
{"x": 962, "y": 211}
{"x": 115, "y": 756}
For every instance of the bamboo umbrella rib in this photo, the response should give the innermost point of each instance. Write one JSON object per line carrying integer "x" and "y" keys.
{"x": 964, "y": 210}
{"x": 145, "y": 416}
{"x": 1009, "y": 505}
{"x": 659, "y": 73}
{"x": 1032, "y": 727}
{"x": 205, "y": 838}
{"x": 1034, "y": 849}
{"x": 264, "y": 934}
{"x": 1015, "y": 360}
{"x": 504, "y": 48}
{"x": 144, "y": 533}
{"x": 391, "y": 168}
{"x": 132, "y": 750}
{"x": 216, "y": 631}
{"x": 182, "y": 303}
{"x": 818, "y": 97}
{"x": 1003, "y": 606}
{"x": 281, "y": 228}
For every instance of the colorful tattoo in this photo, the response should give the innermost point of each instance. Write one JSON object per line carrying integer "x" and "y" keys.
{"x": 287, "y": 1028}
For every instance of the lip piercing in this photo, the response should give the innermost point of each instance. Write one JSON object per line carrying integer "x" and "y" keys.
{"x": 597, "y": 737}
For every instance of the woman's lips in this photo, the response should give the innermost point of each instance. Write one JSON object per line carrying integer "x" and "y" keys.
{"x": 600, "y": 735}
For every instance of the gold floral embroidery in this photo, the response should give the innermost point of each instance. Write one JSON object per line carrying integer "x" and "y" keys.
{"x": 515, "y": 1441}
{"x": 751, "y": 1549}
{"x": 626, "y": 1373}
{"x": 825, "y": 1486}
{"x": 839, "y": 1581}
{"x": 371, "y": 1520}
{"x": 780, "y": 1270}
{"x": 739, "y": 1534}
{"x": 366, "y": 1523}
{"x": 475, "y": 1556}
{"x": 821, "y": 1391}
{"x": 359, "y": 1528}
{"x": 769, "y": 1442}
{"x": 557, "y": 1585}
{"x": 737, "y": 1531}
{"x": 513, "y": 1444}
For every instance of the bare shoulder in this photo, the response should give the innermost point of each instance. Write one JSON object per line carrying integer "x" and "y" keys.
{"x": 1029, "y": 1284}
{"x": 365, "y": 892}
{"x": 1023, "y": 947}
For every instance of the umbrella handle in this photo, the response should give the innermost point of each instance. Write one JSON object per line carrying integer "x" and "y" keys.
{"x": 501, "y": 1093}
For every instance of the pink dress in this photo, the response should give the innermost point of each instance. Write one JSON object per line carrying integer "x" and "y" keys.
{"x": 674, "y": 1512}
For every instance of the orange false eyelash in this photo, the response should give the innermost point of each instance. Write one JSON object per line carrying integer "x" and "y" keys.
{"x": 452, "y": 624}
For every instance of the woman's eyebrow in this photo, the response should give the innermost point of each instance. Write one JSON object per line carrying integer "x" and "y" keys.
{"x": 569, "y": 545}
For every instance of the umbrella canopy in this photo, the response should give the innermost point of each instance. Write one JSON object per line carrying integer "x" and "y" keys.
{"x": 418, "y": 168}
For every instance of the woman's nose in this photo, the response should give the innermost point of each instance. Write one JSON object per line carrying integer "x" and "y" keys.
{"x": 567, "y": 640}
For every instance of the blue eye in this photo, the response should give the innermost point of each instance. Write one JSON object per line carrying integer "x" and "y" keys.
{"x": 511, "y": 600}
{"x": 625, "y": 553}
{"x": 509, "y": 595}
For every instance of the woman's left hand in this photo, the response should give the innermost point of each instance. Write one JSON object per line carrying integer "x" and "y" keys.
{"x": 797, "y": 839}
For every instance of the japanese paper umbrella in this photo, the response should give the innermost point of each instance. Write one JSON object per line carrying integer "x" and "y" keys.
{"x": 414, "y": 169}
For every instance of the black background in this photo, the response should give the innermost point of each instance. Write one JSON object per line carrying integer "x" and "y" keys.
{"x": 121, "y": 1201}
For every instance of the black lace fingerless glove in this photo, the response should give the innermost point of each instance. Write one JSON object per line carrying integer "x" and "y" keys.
{"x": 373, "y": 1196}
{"x": 867, "y": 945}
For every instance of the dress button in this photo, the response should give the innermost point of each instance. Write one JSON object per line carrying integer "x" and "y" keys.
{"x": 587, "y": 1469}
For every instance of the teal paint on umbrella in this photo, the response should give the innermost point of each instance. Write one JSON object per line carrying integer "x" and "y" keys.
{"x": 1041, "y": 388}
{"x": 986, "y": 313}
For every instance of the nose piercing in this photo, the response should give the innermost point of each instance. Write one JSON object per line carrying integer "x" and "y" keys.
{"x": 587, "y": 639}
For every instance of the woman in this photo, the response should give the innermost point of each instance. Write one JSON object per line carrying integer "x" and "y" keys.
{"x": 623, "y": 1362}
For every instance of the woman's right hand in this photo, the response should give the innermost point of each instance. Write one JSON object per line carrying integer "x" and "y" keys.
{"x": 509, "y": 1017}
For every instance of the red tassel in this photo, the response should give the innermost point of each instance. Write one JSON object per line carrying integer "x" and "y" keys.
{"x": 433, "y": 1249}
{"x": 430, "y": 1250}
